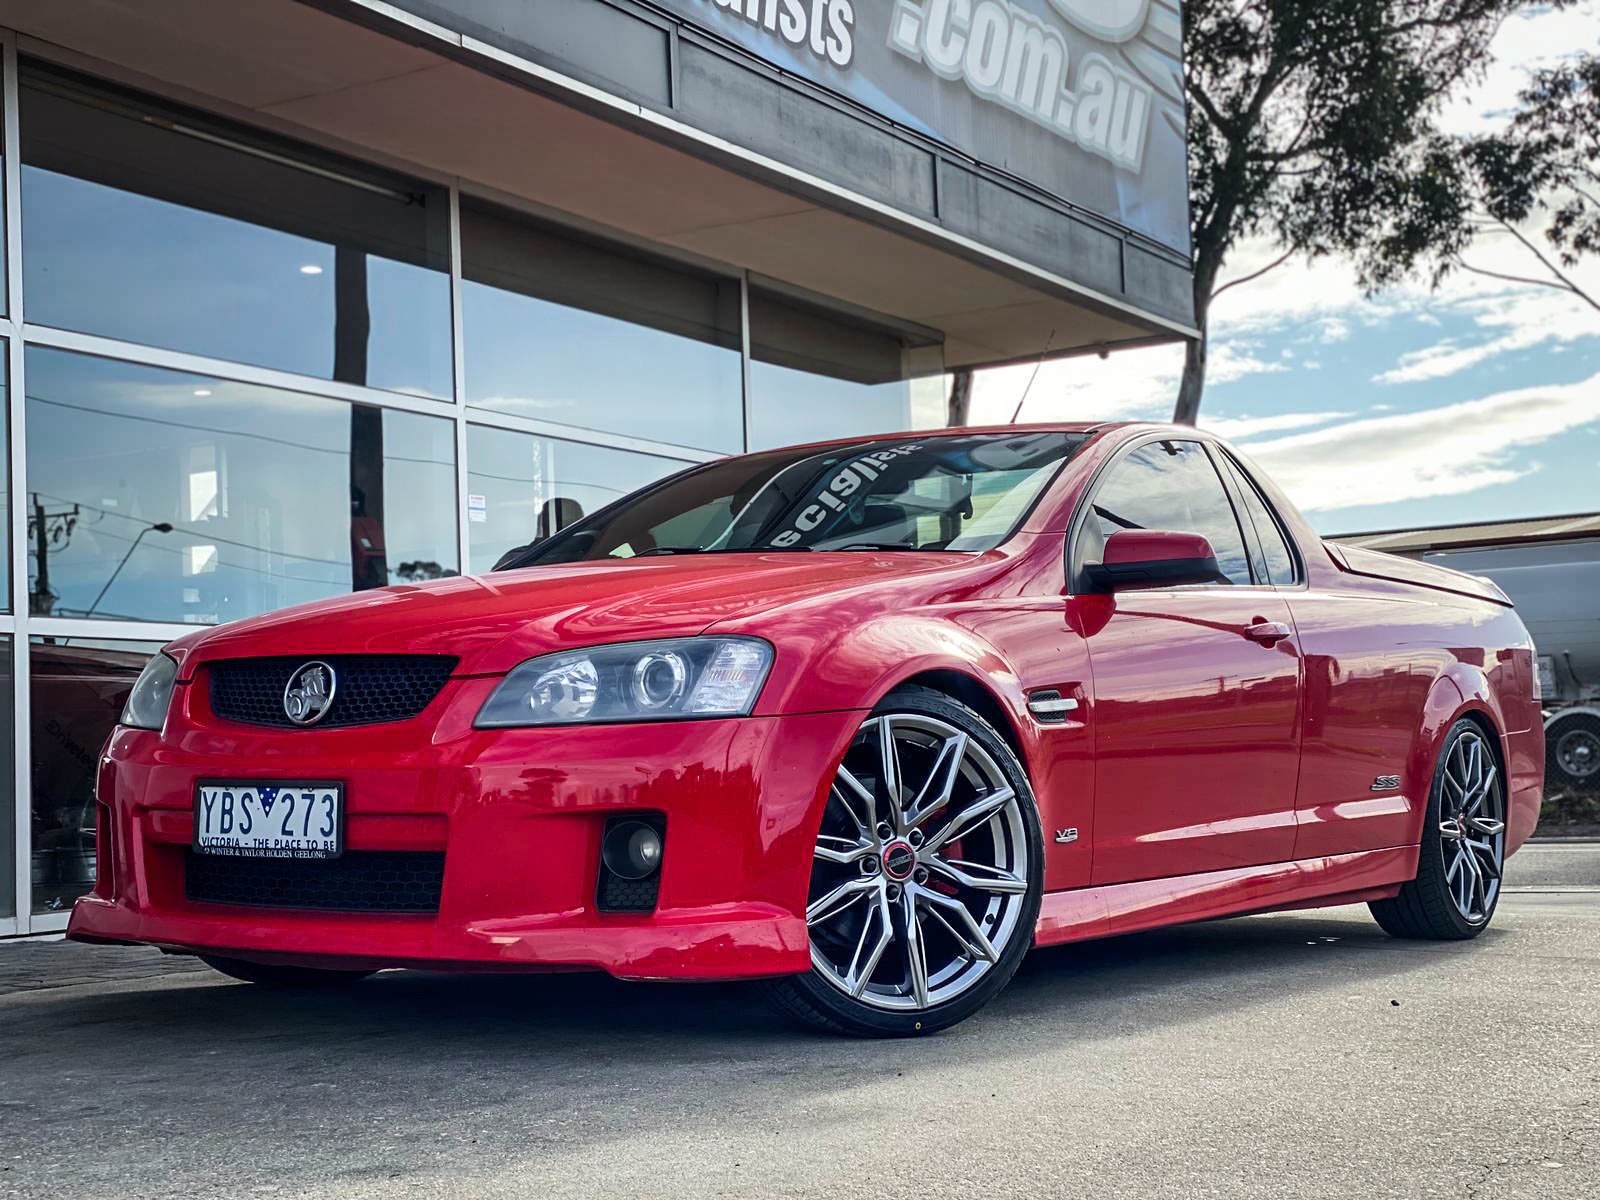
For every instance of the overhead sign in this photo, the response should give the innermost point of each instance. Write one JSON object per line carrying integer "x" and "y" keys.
{"x": 1083, "y": 98}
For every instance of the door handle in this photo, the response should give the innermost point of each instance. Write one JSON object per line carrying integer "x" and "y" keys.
{"x": 1267, "y": 632}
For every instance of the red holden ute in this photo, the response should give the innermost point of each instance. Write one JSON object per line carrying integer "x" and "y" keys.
{"x": 864, "y": 720}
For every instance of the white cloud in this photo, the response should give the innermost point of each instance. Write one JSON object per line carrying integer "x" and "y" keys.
{"x": 1324, "y": 295}
{"x": 1128, "y": 385}
{"x": 1536, "y": 37}
{"x": 1445, "y": 451}
{"x": 1525, "y": 318}
{"x": 1435, "y": 362}
{"x": 1131, "y": 384}
{"x": 1239, "y": 428}
{"x": 1237, "y": 360}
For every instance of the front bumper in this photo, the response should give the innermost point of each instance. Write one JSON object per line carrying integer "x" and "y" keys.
{"x": 518, "y": 815}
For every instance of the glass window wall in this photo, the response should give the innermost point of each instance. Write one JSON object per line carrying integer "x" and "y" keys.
{"x": 522, "y": 488}
{"x": 5, "y": 475}
{"x": 8, "y": 776}
{"x": 77, "y": 688}
{"x": 171, "y": 230}
{"x": 815, "y": 376}
{"x": 565, "y": 330}
{"x": 175, "y": 497}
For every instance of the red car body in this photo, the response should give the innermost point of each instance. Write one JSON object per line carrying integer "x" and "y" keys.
{"x": 1204, "y": 771}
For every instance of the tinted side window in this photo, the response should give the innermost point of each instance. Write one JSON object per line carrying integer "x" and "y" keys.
{"x": 1276, "y": 565}
{"x": 1170, "y": 486}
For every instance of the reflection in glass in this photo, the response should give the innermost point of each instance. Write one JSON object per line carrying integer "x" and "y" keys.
{"x": 1171, "y": 486}
{"x": 173, "y": 497}
{"x": 814, "y": 376}
{"x": 1274, "y": 562}
{"x": 172, "y": 230}
{"x": 5, "y": 277}
{"x": 522, "y": 487}
{"x": 8, "y": 775}
{"x": 5, "y": 492}
{"x": 77, "y": 689}
{"x": 565, "y": 330}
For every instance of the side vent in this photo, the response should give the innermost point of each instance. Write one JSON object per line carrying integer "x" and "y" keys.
{"x": 1050, "y": 707}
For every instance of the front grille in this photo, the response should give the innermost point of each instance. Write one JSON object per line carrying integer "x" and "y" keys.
{"x": 391, "y": 881}
{"x": 369, "y": 688}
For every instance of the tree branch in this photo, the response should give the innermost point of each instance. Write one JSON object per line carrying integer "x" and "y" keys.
{"x": 1560, "y": 284}
{"x": 1254, "y": 275}
{"x": 1587, "y": 197}
{"x": 1214, "y": 114}
{"x": 1566, "y": 281}
{"x": 1502, "y": 275}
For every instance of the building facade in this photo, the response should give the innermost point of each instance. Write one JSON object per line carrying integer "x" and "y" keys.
{"x": 309, "y": 297}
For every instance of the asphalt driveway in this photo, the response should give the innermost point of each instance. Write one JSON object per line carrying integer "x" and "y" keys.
{"x": 1300, "y": 1054}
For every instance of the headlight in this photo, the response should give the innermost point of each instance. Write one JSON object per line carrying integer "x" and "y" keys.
{"x": 152, "y": 693}
{"x": 672, "y": 679}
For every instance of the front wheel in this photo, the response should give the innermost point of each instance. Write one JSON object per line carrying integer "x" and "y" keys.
{"x": 280, "y": 976}
{"x": 926, "y": 878}
{"x": 1463, "y": 846}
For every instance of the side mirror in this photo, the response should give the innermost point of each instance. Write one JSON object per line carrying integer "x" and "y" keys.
{"x": 1146, "y": 558}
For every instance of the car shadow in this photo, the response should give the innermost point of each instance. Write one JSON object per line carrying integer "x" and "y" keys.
{"x": 417, "y": 1053}
{"x": 1180, "y": 973}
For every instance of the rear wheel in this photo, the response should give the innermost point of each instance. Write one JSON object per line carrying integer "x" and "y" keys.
{"x": 926, "y": 877}
{"x": 1463, "y": 846}
{"x": 277, "y": 975}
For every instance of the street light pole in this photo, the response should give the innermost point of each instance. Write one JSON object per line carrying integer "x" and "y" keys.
{"x": 158, "y": 527}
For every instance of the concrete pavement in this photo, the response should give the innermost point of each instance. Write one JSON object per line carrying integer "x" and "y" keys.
{"x": 1558, "y": 865}
{"x": 1297, "y": 1054}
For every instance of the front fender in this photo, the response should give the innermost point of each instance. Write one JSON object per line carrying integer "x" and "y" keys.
{"x": 855, "y": 668}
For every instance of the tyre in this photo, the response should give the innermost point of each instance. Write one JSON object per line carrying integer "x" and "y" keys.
{"x": 1572, "y": 752}
{"x": 926, "y": 878}
{"x": 276, "y": 975}
{"x": 1457, "y": 886}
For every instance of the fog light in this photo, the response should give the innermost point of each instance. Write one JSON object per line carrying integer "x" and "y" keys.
{"x": 632, "y": 850}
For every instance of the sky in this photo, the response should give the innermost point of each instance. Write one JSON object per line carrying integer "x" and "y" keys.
{"x": 1478, "y": 401}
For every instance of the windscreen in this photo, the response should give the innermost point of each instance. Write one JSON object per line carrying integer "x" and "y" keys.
{"x": 952, "y": 493}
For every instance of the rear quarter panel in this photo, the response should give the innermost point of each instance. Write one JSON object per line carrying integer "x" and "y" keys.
{"x": 1390, "y": 668}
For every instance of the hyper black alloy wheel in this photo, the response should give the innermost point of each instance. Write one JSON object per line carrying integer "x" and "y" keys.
{"x": 926, "y": 877}
{"x": 281, "y": 976}
{"x": 1463, "y": 846}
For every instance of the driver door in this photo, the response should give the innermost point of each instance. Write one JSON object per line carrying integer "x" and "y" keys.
{"x": 1196, "y": 688}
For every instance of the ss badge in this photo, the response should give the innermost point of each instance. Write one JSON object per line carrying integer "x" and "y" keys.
{"x": 1065, "y": 836}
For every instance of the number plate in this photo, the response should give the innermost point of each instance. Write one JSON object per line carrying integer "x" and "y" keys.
{"x": 269, "y": 820}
